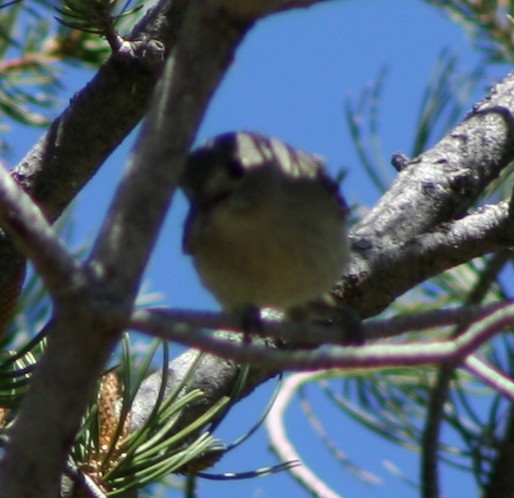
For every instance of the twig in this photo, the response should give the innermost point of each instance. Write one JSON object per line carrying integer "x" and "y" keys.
{"x": 372, "y": 356}
{"x": 378, "y": 329}
{"x": 336, "y": 452}
{"x": 282, "y": 446}
{"x": 430, "y": 439}
{"x": 186, "y": 322}
{"x": 491, "y": 376}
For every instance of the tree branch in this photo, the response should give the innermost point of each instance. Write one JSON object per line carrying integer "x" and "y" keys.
{"x": 183, "y": 323}
{"x": 451, "y": 351}
{"x": 392, "y": 269}
{"x": 490, "y": 376}
{"x": 282, "y": 446}
{"x": 501, "y": 476}
{"x": 143, "y": 197}
{"x": 33, "y": 235}
{"x": 437, "y": 187}
{"x": 83, "y": 136}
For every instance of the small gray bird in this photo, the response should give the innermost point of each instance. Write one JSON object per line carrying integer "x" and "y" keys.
{"x": 266, "y": 227}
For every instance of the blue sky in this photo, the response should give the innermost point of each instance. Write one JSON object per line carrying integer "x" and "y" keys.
{"x": 290, "y": 79}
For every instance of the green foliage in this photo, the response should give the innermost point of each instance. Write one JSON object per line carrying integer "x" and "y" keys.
{"x": 28, "y": 85}
{"x": 119, "y": 458}
{"x": 108, "y": 451}
{"x": 25, "y": 338}
{"x": 36, "y": 48}
{"x": 22, "y": 348}
{"x": 94, "y": 16}
{"x": 488, "y": 22}
{"x": 16, "y": 367}
{"x": 110, "y": 454}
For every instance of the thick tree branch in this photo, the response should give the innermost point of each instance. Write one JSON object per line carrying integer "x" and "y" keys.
{"x": 145, "y": 192}
{"x": 389, "y": 271}
{"x": 100, "y": 115}
{"x": 437, "y": 187}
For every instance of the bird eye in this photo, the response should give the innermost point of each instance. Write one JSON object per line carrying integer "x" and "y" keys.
{"x": 234, "y": 168}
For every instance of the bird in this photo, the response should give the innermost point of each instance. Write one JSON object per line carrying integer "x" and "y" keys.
{"x": 266, "y": 226}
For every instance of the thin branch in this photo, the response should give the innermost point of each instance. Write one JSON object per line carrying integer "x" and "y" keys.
{"x": 501, "y": 476}
{"x": 399, "y": 324}
{"x": 183, "y": 322}
{"x": 490, "y": 376}
{"x": 431, "y": 431}
{"x": 291, "y": 332}
{"x": 489, "y": 227}
{"x": 217, "y": 374}
{"x": 282, "y": 446}
{"x": 372, "y": 356}
{"x": 24, "y": 221}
